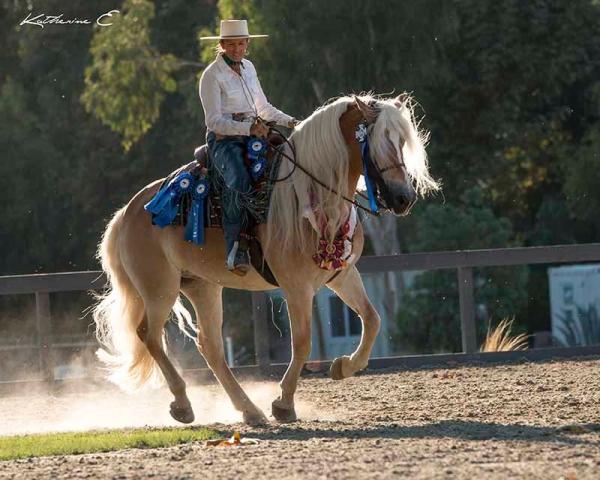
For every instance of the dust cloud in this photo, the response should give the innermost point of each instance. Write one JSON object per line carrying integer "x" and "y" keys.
{"x": 102, "y": 407}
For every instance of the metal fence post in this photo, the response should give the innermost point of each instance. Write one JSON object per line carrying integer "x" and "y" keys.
{"x": 467, "y": 309}
{"x": 261, "y": 331}
{"x": 44, "y": 331}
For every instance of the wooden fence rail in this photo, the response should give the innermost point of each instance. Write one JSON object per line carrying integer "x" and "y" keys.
{"x": 41, "y": 285}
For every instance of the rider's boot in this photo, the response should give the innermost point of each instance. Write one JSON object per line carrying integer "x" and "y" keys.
{"x": 238, "y": 261}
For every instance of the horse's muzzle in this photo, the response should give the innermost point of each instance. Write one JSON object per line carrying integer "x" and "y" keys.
{"x": 403, "y": 199}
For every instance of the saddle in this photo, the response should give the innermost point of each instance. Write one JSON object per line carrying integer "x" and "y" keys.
{"x": 257, "y": 205}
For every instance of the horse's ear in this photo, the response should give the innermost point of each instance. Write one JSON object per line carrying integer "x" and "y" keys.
{"x": 368, "y": 111}
{"x": 401, "y": 99}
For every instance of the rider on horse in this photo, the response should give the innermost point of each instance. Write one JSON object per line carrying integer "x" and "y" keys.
{"x": 235, "y": 108}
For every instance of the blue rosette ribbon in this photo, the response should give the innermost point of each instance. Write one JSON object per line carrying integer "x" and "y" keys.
{"x": 194, "y": 230}
{"x": 256, "y": 151}
{"x": 258, "y": 168}
{"x": 165, "y": 204}
{"x": 363, "y": 140}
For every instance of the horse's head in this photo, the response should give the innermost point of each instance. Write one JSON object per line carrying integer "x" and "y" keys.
{"x": 395, "y": 159}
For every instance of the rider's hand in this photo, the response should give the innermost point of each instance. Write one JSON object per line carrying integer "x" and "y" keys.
{"x": 259, "y": 129}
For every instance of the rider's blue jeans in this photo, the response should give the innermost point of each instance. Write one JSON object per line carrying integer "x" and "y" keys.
{"x": 228, "y": 158}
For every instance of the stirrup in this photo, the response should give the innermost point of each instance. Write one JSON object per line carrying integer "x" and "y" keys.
{"x": 237, "y": 260}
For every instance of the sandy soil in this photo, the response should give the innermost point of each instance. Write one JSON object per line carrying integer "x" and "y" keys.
{"x": 528, "y": 420}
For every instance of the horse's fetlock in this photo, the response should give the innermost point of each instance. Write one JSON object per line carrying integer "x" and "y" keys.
{"x": 179, "y": 388}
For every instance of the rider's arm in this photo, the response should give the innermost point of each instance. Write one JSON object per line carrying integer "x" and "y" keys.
{"x": 265, "y": 110}
{"x": 210, "y": 95}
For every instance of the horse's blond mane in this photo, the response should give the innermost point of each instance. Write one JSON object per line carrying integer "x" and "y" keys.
{"x": 320, "y": 148}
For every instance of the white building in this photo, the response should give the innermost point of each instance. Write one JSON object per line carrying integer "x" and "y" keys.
{"x": 573, "y": 289}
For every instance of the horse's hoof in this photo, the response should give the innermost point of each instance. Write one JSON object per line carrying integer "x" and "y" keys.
{"x": 255, "y": 419}
{"x": 336, "y": 371}
{"x": 282, "y": 414}
{"x": 182, "y": 414}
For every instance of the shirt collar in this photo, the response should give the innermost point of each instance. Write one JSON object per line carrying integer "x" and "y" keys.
{"x": 230, "y": 62}
{"x": 226, "y": 68}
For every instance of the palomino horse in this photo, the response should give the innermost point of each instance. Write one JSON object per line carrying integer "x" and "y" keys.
{"x": 148, "y": 266}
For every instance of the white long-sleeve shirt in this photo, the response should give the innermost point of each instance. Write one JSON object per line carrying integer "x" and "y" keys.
{"x": 224, "y": 93}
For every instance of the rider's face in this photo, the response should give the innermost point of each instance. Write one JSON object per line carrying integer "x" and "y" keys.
{"x": 235, "y": 48}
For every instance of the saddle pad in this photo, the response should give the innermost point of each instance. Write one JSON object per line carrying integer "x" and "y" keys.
{"x": 257, "y": 202}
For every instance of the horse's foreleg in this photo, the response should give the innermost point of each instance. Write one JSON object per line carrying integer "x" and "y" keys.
{"x": 350, "y": 289}
{"x": 300, "y": 312}
{"x": 208, "y": 305}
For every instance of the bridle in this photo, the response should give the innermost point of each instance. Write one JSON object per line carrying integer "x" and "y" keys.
{"x": 372, "y": 170}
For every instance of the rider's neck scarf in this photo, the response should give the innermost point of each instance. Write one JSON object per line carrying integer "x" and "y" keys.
{"x": 232, "y": 63}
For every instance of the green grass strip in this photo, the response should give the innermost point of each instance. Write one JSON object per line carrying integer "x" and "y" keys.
{"x": 37, "y": 445}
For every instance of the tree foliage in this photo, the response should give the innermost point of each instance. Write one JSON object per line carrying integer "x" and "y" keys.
{"x": 128, "y": 79}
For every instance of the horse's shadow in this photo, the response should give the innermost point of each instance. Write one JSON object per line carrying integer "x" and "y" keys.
{"x": 458, "y": 429}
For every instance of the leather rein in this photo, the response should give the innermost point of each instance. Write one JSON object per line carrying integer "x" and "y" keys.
{"x": 379, "y": 172}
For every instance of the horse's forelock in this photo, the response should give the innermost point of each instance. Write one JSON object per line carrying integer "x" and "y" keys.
{"x": 397, "y": 115}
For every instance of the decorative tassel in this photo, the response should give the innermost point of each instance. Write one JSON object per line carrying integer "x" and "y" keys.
{"x": 194, "y": 230}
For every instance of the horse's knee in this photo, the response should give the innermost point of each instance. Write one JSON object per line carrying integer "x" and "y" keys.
{"x": 201, "y": 344}
{"x": 210, "y": 350}
{"x": 301, "y": 344}
{"x": 302, "y": 352}
{"x": 371, "y": 318}
{"x": 206, "y": 349}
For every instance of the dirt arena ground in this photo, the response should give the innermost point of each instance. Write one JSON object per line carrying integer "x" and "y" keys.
{"x": 527, "y": 420}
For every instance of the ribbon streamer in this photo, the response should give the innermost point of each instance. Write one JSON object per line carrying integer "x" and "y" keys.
{"x": 165, "y": 204}
{"x": 363, "y": 140}
{"x": 194, "y": 230}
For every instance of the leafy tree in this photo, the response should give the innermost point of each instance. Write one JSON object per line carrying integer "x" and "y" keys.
{"x": 128, "y": 79}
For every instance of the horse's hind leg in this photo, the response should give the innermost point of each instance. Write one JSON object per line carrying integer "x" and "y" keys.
{"x": 350, "y": 289}
{"x": 208, "y": 304}
{"x": 150, "y": 331}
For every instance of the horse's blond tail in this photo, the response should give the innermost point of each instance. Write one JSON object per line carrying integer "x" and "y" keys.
{"x": 117, "y": 315}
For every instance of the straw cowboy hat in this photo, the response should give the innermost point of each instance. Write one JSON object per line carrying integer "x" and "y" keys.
{"x": 231, "y": 29}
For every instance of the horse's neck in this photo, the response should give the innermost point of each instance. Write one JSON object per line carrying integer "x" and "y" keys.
{"x": 348, "y": 123}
